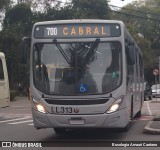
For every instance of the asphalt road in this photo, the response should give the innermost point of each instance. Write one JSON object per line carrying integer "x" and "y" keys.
{"x": 16, "y": 125}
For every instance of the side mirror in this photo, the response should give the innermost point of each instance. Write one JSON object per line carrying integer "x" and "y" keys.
{"x": 25, "y": 49}
{"x": 130, "y": 51}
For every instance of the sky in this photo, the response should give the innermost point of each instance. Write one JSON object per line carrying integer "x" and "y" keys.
{"x": 120, "y": 3}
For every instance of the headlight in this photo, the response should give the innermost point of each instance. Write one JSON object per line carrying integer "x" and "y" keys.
{"x": 39, "y": 107}
{"x": 115, "y": 106}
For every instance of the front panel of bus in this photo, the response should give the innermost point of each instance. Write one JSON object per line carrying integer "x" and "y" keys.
{"x": 78, "y": 75}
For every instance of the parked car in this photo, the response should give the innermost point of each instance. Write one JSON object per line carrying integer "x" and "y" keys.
{"x": 156, "y": 90}
{"x": 147, "y": 92}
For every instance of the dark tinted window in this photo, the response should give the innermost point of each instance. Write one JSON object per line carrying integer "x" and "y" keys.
{"x": 1, "y": 70}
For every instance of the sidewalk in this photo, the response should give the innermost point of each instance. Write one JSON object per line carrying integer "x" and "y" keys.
{"x": 20, "y": 106}
{"x": 153, "y": 126}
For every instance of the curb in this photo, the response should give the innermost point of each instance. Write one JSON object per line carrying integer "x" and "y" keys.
{"x": 154, "y": 102}
{"x": 157, "y": 118}
{"x": 150, "y": 130}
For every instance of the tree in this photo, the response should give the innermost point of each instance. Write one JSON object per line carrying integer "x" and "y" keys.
{"x": 63, "y": 13}
{"x": 19, "y": 14}
{"x": 43, "y": 5}
{"x": 90, "y": 9}
{"x": 4, "y": 5}
{"x": 142, "y": 19}
{"x": 50, "y": 10}
{"x": 17, "y": 24}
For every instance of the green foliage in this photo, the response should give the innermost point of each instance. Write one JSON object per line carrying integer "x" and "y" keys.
{"x": 17, "y": 24}
{"x": 20, "y": 15}
{"x": 43, "y": 5}
{"x": 90, "y": 9}
{"x": 142, "y": 20}
{"x": 4, "y": 4}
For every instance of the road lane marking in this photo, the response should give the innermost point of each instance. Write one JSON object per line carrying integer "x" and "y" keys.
{"x": 18, "y": 106}
{"x": 14, "y": 119}
{"x": 149, "y": 110}
{"x": 21, "y": 122}
{"x": 31, "y": 124}
{"x": 15, "y": 115}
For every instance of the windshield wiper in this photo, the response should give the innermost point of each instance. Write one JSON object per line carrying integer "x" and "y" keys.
{"x": 61, "y": 50}
{"x": 89, "y": 56}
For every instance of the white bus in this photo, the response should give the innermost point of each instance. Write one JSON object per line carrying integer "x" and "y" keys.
{"x": 4, "y": 83}
{"x": 84, "y": 74}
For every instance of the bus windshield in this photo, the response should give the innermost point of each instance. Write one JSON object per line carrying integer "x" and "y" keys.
{"x": 76, "y": 68}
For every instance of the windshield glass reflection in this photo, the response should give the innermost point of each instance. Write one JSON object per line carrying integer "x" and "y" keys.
{"x": 77, "y": 68}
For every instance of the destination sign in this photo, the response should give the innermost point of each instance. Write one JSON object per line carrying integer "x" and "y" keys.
{"x": 77, "y": 31}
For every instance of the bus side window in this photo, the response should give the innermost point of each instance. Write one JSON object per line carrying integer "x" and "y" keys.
{"x": 1, "y": 70}
{"x": 130, "y": 52}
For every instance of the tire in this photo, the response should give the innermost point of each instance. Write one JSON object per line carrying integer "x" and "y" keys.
{"x": 59, "y": 130}
{"x": 138, "y": 114}
{"x": 150, "y": 97}
{"x": 131, "y": 114}
{"x": 127, "y": 127}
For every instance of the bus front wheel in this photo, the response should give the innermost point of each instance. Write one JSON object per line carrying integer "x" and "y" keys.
{"x": 131, "y": 112}
{"x": 127, "y": 127}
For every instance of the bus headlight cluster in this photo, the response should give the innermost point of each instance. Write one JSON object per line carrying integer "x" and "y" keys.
{"x": 115, "y": 106}
{"x": 39, "y": 107}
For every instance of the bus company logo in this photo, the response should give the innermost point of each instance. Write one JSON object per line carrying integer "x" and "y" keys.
{"x": 76, "y": 110}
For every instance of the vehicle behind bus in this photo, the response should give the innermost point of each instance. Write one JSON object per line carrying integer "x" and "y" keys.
{"x": 4, "y": 83}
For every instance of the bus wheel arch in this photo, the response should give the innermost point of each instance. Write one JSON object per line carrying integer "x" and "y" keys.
{"x": 127, "y": 127}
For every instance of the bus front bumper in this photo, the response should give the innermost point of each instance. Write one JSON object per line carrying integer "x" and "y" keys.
{"x": 118, "y": 119}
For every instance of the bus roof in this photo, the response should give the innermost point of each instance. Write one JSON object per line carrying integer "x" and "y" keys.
{"x": 83, "y": 28}
{"x": 79, "y": 21}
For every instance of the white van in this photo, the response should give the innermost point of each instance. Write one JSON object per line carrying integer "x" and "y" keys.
{"x": 4, "y": 83}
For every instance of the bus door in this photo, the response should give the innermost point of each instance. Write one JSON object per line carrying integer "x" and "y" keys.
{"x": 4, "y": 84}
{"x": 137, "y": 82}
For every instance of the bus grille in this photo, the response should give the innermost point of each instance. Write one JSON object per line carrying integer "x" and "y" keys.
{"x": 76, "y": 102}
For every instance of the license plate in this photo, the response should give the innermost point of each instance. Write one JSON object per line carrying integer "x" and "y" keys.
{"x": 76, "y": 122}
{"x": 64, "y": 110}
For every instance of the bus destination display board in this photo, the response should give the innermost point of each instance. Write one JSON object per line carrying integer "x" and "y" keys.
{"x": 77, "y": 31}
